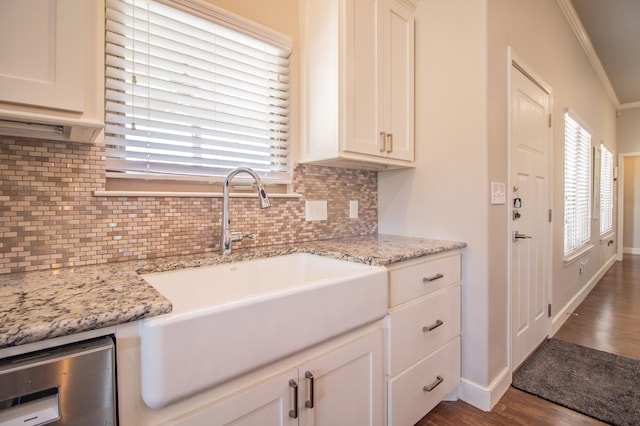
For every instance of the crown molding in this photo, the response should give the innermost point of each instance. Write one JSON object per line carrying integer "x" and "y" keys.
{"x": 630, "y": 105}
{"x": 578, "y": 29}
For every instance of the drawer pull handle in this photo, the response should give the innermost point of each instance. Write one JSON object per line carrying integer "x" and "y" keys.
{"x": 428, "y": 328}
{"x": 433, "y": 385}
{"x": 426, "y": 280}
{"x": 309, "y": 376}
{"x": 294, "y": 413}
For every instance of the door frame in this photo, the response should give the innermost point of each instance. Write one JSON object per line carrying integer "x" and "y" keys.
{"x": 620, "y": 205}
{"x": 517, "y": 64}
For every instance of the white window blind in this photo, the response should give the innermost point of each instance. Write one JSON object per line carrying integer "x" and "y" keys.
{"x": 606, "y": 190}
{"x": 188, "y": 96}
{"x": 577, "y": 183}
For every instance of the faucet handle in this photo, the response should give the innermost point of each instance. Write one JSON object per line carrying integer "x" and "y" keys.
{"x": 250, "y": 236}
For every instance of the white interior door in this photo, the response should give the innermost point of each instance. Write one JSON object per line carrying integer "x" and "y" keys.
{"x": 529, "y": 199}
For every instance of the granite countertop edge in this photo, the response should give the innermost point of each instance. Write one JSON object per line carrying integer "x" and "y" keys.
{"x": 40, "y": 305}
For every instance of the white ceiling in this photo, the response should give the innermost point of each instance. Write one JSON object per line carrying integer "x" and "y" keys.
{"x": 613, "y": 29}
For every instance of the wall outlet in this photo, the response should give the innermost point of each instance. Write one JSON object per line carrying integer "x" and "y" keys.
{"x": 315, "y": 210}
{"x": 353, "y": 209}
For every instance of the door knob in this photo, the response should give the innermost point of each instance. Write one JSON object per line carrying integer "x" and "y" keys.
{"x": 518, "y": 236}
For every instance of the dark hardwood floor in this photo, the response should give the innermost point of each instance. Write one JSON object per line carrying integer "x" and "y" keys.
{"x": 607, "y": 320}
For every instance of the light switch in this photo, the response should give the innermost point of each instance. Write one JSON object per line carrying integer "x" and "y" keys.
{"x": 498, "y": 195}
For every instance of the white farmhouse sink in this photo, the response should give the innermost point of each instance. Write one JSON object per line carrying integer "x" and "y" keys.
{"x": 229, "y": 319}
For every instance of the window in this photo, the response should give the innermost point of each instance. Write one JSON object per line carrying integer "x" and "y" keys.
{"x": 606, "y": 190}
{"x": 192, "y": 92}
{"x": 577, "y": 183}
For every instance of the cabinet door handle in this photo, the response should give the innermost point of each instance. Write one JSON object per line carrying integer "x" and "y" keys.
{"x": 383, "y": 145}
{"x": 433, "y": 278}
{"x": 309, "y": 376}
{"x": 390, "y": 145}
{"x": 428, "y": 328}
{"x": 294, "y": 413}
{"x": 433, "y": 385}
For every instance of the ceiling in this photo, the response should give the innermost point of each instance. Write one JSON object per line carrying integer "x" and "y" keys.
{"x": 611, "y": 29}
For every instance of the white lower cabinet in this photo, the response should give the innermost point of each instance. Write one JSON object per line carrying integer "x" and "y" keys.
{"x": 415, "y": 391}
{"x": 423, "y": 336}
{"x": 337, "y": 386}
{"x": 266, "y": 403}
{"x": 392, "y": 371}
{"x": 344, "y": 386}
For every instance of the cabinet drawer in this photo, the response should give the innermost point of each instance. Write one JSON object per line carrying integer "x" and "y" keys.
{"x": 420, "y": 327}
{"x": 408, "y": 400}
{"x": 410, "y": 280}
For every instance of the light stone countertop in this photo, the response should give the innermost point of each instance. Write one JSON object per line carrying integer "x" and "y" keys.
{"x": 35, "y": 306}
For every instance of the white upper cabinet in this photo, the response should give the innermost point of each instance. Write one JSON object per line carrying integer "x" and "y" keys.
{"x": 358, "y": 82}
{"x": 42, "y": 45}
{"x": 49, "y": 59}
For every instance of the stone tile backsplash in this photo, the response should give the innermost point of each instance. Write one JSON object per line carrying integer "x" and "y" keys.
{"x": 51, "y": 219}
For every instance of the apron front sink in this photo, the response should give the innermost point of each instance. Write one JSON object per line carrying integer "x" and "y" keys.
{"x": 232, "y": 318}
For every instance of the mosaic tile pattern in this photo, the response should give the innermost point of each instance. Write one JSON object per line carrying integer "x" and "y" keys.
{"x": 49, "y": 217}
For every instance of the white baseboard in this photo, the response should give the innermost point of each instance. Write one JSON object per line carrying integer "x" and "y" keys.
{"x": 562, "y": 314}
{"x": 483, "y": 397}
{"x": 630, "y": 250}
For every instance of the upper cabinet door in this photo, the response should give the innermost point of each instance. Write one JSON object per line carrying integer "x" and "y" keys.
{"x": 399, "y": 80}
{"x": 42, "y": 53}
{"x": 380, "y": 63}
{"x": 365, "y": 77}
{"x": 357, "y": 83}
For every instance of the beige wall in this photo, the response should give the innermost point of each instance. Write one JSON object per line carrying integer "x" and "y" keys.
{"x": 628, "y": 127}
{"x": 461, "y": 146}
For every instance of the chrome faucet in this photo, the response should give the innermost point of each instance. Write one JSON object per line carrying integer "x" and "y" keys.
{"x": 229, "y": 236}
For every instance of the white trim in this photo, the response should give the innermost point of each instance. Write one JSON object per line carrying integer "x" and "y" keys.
{"x": 239, "y": 181}
{"x": 631, "y": 250}
{"x": 577, "y": 253}
{"x": 485, "y": 397}
{"x": 515, "y": 59}
{"x": 583, "y": 137}
{"x": 562, "y": 314}
{"x": 184, "y": 194}
{"x": 576, "y": 117}
{"x": 237, "y": 22}
{"x": 607, "y": 236}
{"x": 620, "y": 222}
{"x": 576, "y": 25}
{"x": 526, "y": 69}
{"x": 630, "y": 105}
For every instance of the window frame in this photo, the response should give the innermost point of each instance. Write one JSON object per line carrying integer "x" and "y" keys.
{"x": 577, "y": 184}
{"x": 606, "y": 190}
{"x": 210, "y": 183}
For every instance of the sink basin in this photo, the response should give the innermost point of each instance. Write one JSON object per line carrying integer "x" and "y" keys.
{"x": 231, "y": 318}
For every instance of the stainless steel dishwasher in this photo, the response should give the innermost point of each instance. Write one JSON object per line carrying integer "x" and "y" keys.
{"x": 67, "y": 385}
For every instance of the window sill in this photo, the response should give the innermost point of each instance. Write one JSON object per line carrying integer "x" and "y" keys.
{"x": 576, "y": 254}
{"x": 608, "y": 237}
{"x": 185, "y": 194}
